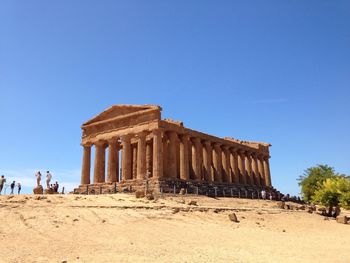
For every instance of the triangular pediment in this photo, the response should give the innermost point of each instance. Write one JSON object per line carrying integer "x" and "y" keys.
{"x": 118, "y": 111}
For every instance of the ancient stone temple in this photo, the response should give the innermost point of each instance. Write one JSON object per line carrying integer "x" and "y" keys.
{"x": 135, "y": 148}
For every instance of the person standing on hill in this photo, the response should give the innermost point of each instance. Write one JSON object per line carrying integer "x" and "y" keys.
{"x": 19, "y": 188}
{"x": 2, "y": 182}
{"x": 48, "y": 179}
{"x": 38, "y": 178}
{"x": 55, "y": 187}
{"x": 12, "y": 187}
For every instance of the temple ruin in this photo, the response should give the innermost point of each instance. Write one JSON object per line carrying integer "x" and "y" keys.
{"x": 134, "y": 148}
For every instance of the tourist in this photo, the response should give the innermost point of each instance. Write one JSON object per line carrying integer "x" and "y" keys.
{"x": 19, "y": 188}
{"x": 48, "y": 179}
{"x": 263, "y": 194}
{"x": 38, "y": 178}
{"x": 55, "y": 187}
{"x": 13, "y": 187}
{"x": 2, "y": 182}
{"x": 336, "y": 211}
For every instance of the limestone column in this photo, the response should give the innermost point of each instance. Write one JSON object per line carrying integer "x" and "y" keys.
{"x": 149, "y": 159}
{"x": 255, "y": 169}
{"x": 134, "y": 161}
{"x": 226, "y": 164}
{"x": 261, "y": 171}
{"x": 141, "y": 155}
{"x": 157, "y": 154}
{"x": 165, "y": 144}
{"x": 197, "y": 158}
{"x": 126, "y": 158}
{"x": 85, "y": 171}
{"x": 241, "y": 167}
{"x": 267, "y": 171}
{"x": 249, "y": 168}
{"x": 117, "y": 165}
{"x": 234, "y": 167}
{"x": 184, "y": 163}
{"x": 207, "y": 161}
{"x": 177, "y": 150}
{"x": 217, "y": 162}
{"x": 99, "y": 164}
{"x": 172, "y": 154}
{"x": 112, "y": 171}
{"x": 190, "y": 165}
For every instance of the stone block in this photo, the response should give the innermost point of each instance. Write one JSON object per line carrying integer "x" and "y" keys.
{"x": 49, "y": 191}
{"x": 192, "y": 202}
{"x": 38, "y": 190}
{"x": 149, "y": 196}
{"x": 139, "y": 194}
{"x": 342, "y": 219}
{"x": 280, "y": 205}
{"x": 233, "y": 217}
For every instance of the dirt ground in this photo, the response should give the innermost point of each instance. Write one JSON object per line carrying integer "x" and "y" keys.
{"x": 121, "y": 228}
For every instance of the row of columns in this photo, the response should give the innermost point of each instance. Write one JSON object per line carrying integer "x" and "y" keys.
{"x": 177, "y": 156}
{"x": 213, "y": 162}
{"x": 135, "y": 160}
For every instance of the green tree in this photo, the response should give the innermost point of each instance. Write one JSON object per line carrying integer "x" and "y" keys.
{"x": 345, "y": 200}
{"x": 312, "y": 179}
{"x": 333, "y": 192}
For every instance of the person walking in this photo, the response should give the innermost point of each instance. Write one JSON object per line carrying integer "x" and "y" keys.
{"x": 2, "y": 182}
{"x": 12, "y": 187}
{"x": 48, "y": 179}
{"x": 263, "y": 194}
{"x": 38, "y": 178}
{"x": 19, "y": 188}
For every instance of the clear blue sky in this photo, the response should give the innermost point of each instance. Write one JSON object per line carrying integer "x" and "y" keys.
{"x": 273, "y": 71}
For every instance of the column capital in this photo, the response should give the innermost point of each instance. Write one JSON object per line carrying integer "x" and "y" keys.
{"x": 112, "y": 141}
{"x": 241, "y": 151}
{"x": 260, "y": 155}
{"x": 141, "y": 134}
{"x": 217, "y": 145}
{"x": 100, "y": 143}
{"x": 207, "y": 143}
{"x": 226, "y": 148}
{"x": 266, "y": 157}
{"x": 126, "y": 137}
{"x": 196, "y": 140}
{"x": 171, "y": 134}
{"x": 254, "y": 154}
{"x": 233, "y": 149}
{"x": 184, "y": 136}
{"x": 157, "y": 132}
{"x": 86, "y": 144}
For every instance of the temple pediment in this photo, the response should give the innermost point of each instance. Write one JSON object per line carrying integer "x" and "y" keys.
{"x": 119, "y": 116}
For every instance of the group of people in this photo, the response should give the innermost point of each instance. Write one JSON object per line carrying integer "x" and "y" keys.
{"x": 54, "y": 186}
{"x": 12, "y": 185}
{"x": 265, "y": 195}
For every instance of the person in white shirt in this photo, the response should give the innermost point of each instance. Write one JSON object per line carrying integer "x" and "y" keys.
{"x": 48, "y": 179}
{"x": 38, "y": 178}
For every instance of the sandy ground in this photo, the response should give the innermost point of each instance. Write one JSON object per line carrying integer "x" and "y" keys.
{"x": 121, "y": 228}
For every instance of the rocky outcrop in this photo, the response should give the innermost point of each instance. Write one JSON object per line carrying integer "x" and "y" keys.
{"x": 49, "y": 191}
{"x": 342, "y": 219}
{"x": 38, "y": 190}
{"x": 233, "y": 217}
